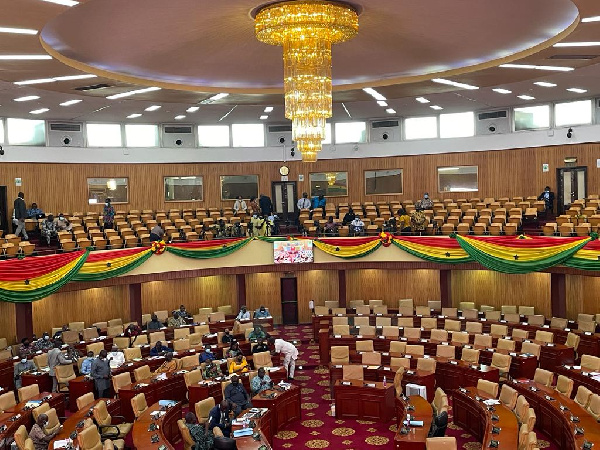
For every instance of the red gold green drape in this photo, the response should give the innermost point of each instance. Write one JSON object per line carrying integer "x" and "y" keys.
{"x": 208, "y": 249}
{"x": 441, "y": 250}
{"x": 348, "y": 248}
{"x": 112, "y": 263}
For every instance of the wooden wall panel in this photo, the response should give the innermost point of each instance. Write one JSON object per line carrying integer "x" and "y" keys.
{"x": 497, "y": 289}
{"x": 8, "y": 328}
{"x": 264, "y": 289}
{"x": 317, "y": 285}
{"x": 582, "y": 295}
{"x": 90, "y": 305}
{"x": 194, "y": 293}
{"x": 392, "y": 285}
{"x": 62, "y": 187}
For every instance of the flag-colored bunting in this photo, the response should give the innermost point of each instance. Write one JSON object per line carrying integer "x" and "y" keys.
{"x": 443, "y": 250}
{"x": 348, "y": 248}
{"x": 31, "y": 279}
{"x": 107, "y": 264}
{"x": 208, "y": 249}
{"x": 588, "y": 258}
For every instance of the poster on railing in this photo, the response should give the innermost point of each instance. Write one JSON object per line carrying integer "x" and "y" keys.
{"x": 293, "y": 252}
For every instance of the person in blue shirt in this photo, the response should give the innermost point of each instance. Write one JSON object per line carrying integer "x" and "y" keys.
{"x": 158, "y": 349}
{"x": 34, "y": 212}
{"x": 206, "y": 355}
{"x": 86, "y": 365}
{"x": 261, "y": 313}
{"x": 318, "y": 201}
{"x": 244, "y": 314}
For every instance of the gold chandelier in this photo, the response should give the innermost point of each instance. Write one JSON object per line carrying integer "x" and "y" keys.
{"x": 307, "y": 29}
{"x": 331, "y": 178}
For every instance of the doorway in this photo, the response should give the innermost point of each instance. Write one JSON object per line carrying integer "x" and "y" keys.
{"x": 284, "y": 201}
{"x": 289, "y": 300}
{"x": 572, "y": 185}
{"x": 4, "y": 218}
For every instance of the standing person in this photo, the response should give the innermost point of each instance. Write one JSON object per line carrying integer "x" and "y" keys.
{"x": 254, "y": 205}
{"x": 108, "y": 215}
{"x": 101, "y": 374}
{"x": 38, "y": 435}
{"x": 239, "y": 205}
{"x": 21, "y": 215}
{"x": 157, "y": 233}
{"x": 548, "y": 197}
{"x": 219, "y": 417}
{"x": 202, "y": 436}
{"x": 266, "y": 206}
{"x": 319, "y": 201}
{"x": 56, "y": 358}
{"x": 404, "y": 221}
{"x": 86, "y": 365}
{"x": 290, "y": 355}
{"x": 304, "y": 202}
{"x": 418, "y": 220}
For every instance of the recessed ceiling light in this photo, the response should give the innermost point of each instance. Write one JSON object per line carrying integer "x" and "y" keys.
{"x": 63, "y": 2}
{"x": 373, "y": 93}
{"x": 577, "y": 44}
{"x": 534, "y": 67}
{"x": 502, "y": 91}
{"x": 18, "y": 30}
{"x": 544, "y": 84}
{"x": 39, "y": 111}
{"x": 179, "y": 117}
{"x": 53, "y": 79}
{"x": 422, "y": 100}
{"x": 591, "y": 19}
{"x": 577, "y": 90}
{"x": 436, "y": 107}
{"x": 264, "y": 117}
{"x": 134, "y": 116}
{"x": 27, "y": 98}
{"x": 382, "y": 103}
{"x": 130, "y": 93}
{"x": 454, "y": 83}
{"x": 24, "y": 57}
{"x": 526, "y": 97}
{"x": 268, "y": 109}
{"x": 193, "y": 109}
{"x": 390, "y": 111}
{"x": 153, "y": 108}
{"x": 69, "y": 102}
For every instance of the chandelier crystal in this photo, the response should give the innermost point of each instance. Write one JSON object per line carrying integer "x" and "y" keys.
{"x": 306, "y": 29}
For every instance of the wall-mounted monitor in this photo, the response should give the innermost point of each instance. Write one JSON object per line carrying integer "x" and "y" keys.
{"x": 293, "y": 252}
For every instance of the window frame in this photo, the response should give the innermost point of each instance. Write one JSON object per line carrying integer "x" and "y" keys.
{"x": 87, "y": 141}
{"x": 7, "y": 132}
{"x": 229, "y": 136}
{"x": 183, "y": 201}
{"x": 592, "y": 107}
{"x": 386, "y": 193}
{"x": 550, "y": 117}
{"x": 405, "y": 128}
{"x": 334, "y": 133}
{"x": 238, "y": 175}
{"x": 310, "y": 174}
{"x": 124, "y": 135}
{"x": 264, "y": 143}
{"x": 107, "y": 178}
{"x": 458, "y": 166}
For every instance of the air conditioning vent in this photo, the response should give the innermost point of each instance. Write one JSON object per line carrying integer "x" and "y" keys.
{"x": 384, "y": 131}
{"x": 280, "y": 128}
{"x": 178, "y": 136}
{"x": 492, "y": 122}
{"x": 493, "y": 115}
{"x": 178, "y": 129}
{"x": 65, "y": 127}
{"x": 93, "y": 87}
{"x": 574, "y": 57}
{"x": 385, "y": 124}
{"x": 65, "y": 134}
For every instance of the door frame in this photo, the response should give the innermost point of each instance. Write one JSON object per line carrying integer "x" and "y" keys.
{"x": 560, "y": 207}
{"x": 5, "y": 218}
{"x": 288, "y": 219}
{"x": 290, "y": 302}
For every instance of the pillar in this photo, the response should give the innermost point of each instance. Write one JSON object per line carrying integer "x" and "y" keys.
{"x": 135, "y": 302}
{"x": 558, "y": 294}
{"x": 24, "y": 319}
{"x": 446, "y": 288}
{"x": 342, "y": 287}
{"x": 241, "y": 291}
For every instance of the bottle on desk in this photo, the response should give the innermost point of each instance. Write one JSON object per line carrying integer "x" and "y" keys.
{"x": 384, "y": 381}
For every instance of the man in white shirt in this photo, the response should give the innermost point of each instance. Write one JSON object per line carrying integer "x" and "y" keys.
{"x": 244, "y": 314}
{"x": 304, "y": 202}
{"x": 290, "y": 354}
{"x": 357, "y": 226}
{"x": 116, "y": 357}
{"x": 239, "y": 205}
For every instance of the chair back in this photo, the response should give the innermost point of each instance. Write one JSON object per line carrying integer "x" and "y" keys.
{"x": 139, "y": 405}
{"x": 380, "y": 310}
{"x": 70, "y": 337}
{"x": 192, "y": 377}
{"x": 340, "y": 355}
{"x": 498, "y": 331}
{"x": 492, "y": 315}
{"x": 590, "y": 363}
{"x": 506, "y": 344}
{"x": 397, "y": 347}
{"x": 341, "y": 330}
{"x": 406, "y": 322}
{"x": 426, "y": 364}
{"x": 489, "y": 387}
{"x": 181, "y": 333}
{"x": 512, "y": 318}
{"x": 544, "y": 336}
{"x": 446, "y": 351}
{"x": 508, "y": 396}
{"x": 321, "y": 310}
{"x": 64, "y": 373}
{"x": 90, "y": 333}
{"x": 520, "y": 334}
{"x": 190, "y": 361}
{"x": 359, "y": 321}
{"x": 157, "y": 336}
{"x": 412, "y": 333}
{"x": 115, "y": 322}
{"x": 352, "y": 372}
{"x": 95, "y": 348}
{"x": 27, "y": 392}
{"x": 188, "y": 441}
{"x": 460, "y": 337}
{"x": 41, "y": 361}
{"x": 203, "y": 408}
{"x": 101, "y": 413}
{"x": 450, "y": 312}
{"x": 544, "y": 377}
{"x": 142, "y": 373}
{"x": 573, "y": 340}
{"x": 364, "y": 346}
{"x": 7, "y": 400}
{"x": 501, "y": 362}
{"x": 582, "y": 397}
{"x": 415, "y": 350}
{"x": 76, "y": 326}
{"x": 440, "y": 443}
{"x": 558, "y": 322}
{"x": 564, "y": 385}
{"x": 470, "y": 355}
{"x": 390, "y": 331}
{"x": 84, "y": 400}
{"x": 371, "y": 359}
{"x": 474, "y": 327}
{"x": 531, "y": 347}
{"x": 589, "y": 327}
{"x": 341, "y": 320}
{"x": 537, "y": 320}
{"x": 181, "y": 345}
{"x": 21, "y": 437}
{"x": 439, "y": 335}
{"x": 120, "y": 380}
{"x": 398, "y": 380}
{"x": 216, "y": 316}
{"x": 429, "y": 323}
{"x": 132, "y": 353}
{"x": 440, "y": 401}
{"x": 262, "y": 359}
{"x": 114, "y": 330}
{"x": 451, "y": 325}
{"x": 89, "y": 439}
{"x": 509, "y": 309}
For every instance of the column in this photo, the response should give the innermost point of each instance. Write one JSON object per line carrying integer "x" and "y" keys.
{"x": 342, "y": 287}
{"x": 135, "y": 302}
{"x": 24, "y": 319}
{"x": 558, "y": 294}
{"x": 241, "y": 291}
{"x": 446, "y": 288}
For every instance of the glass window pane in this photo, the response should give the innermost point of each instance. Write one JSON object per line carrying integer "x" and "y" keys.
{"x": 327, "y": 133}
{"x": 329, "y": 184}
{"x": 138, "y": 135}
{"x": 103, "y": 134}
{"x": 26, "y": 132}
{"x": 248, "y": 134}
{"x": 234, "y": 185}
{"x": 532, "y": 117}
{"x": 1, "y": 131}
{"x": 420, "y": 127}
{"x": 457, "y": 179}
{"x": 379, "y": 182}
{"x": 350, "y": 132}
{"x": 573, "y": 113}
{"x": 213, "y": 135}
{"x": 183, "y": 189}
{"x": 457, "y": 125}
{"x": 99, "y": 189}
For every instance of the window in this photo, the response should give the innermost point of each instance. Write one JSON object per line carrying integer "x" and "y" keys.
{"x": 350, "y": 132}
{"x": 420, "y": 128}
{"x": 1, "y": 131}
{"x": 26, "y": 132}
{"x": 234, "y": 185}
{"x": 103, "y": 134}
{"x": 183, "y": 189}
{"x": 532, "y": 117}
{"x": 329, "y": 184}
{"x": 213, "y": 136}
{"x": 138, "y": 135}
{"x": 248, "y": 135}
{"x": 457, "y": 125}
{"x": 327, "y": 133}
{"x": 387, "y": 181}
{"x": 99, "y": 189}
{"x": 573, "y": 113}
{"x": 457, "y": 179}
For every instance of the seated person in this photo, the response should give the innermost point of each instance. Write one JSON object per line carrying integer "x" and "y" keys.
{"x": 234, "y": 350}
{"x": 49, "y": 229}
{"x": 244, "y": 314}
{"x": 211, "y": 370}
{"x": 38, "y": 435}
{"x": 262, "y": 313}
{"x": 59, "y": 333}
{"x": 260, "y": 382}
{"x": 116, "y": 358}
{"x": 63, "y": 224}
{"x": 23, "y": 366}
{"x": 256, "y": 333}
{"x": 403, "y": 221}
{"x": 34, "y": 212}
{"x": 26, "y": 349}
{"x": 154, "y": 323}
{"x": 86, "y": 365}
{"x": 348, "y": 217}
{"x": 183, "y": 312}
{"x": 176, "y": 320}
{"x": 44, "y": 343}
{"x": 260, "y": 346}
{"x": 170, "y": 365}
{"x": 206, "y": 355}
{"x": 318, "y": 201}
{"x": 239, "y": 205}
{"x": 220, "y": 417}
{"x": 238, "y": 365}
{"x": 236, "y": 394}
{"x": 158, "y": 349}
{"x": 331, "y": 227}
{"x": 202, "y": 436}
{"x": 357, "y": 226}
{"x": 157, "y": 233}
{"x": 227, "y": 337}
{"x": 425, "y": 202}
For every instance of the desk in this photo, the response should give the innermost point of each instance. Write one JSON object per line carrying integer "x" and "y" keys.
{"x": 7, "y": 373}
{"x": 473, "y": 416}
{"x": 554, "y": 422}
{"x": 55, "y": 400}
{"x": 285, "y": 406}
{"x": 354, "y": 400}
{"x": 77, "y": 387}
{"x": 453, "y": 376}
{"x": 168, "y": 431}
{"x": 12, "y": 424}
{"x": 579, "y": 379}
{"x": 42, "y": 379}
{"x": 263, "y": 425}
{"x": 416, "y": 436}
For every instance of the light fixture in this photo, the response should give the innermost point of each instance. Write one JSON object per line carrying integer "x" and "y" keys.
{"x": 70, "y": 102}
{"x": 264, "y": 117}
{"x": 18, "y": 30}
{"x": 591, "y": 19}
{"x": 111, "y": 185}
{"x": 436, "y": 107}
{"x": 130, "y": 93}
{"x": 193, "y": 109}
{"x": 376, "y": 95}
{"x": 390, "y": 111}
{"x": 331, "y": 178}
{"x": 382, "y": 103}
{"x": 577, "y": 44}
{"x": 39, "y": 111}
{"x": 134, "y": 116}
{"x": 454, "y": 83}
{"x": 502, "y": 91}
{"x": 153, "y": 108}
{"x": 307, "y": 29}
{"x": 422, "y": 100}
{"x": 544, "y": 84}
{"x": 63, "y": 2}
{"x": 38, "y": 81}
{"x": 24, "y": 57}
{"x": 526, "y": 97}
{"x": 179, "y": 117}
{"x": 53, "y": 79}
{"x": 268, "y": 109}
{"x": 27, "y": 98}
{"x": 577, "y": 90}
{"x": 534, "y": 67}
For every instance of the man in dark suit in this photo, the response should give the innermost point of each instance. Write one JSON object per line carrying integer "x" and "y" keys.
{"x": 266, "y": 206}
{"x": 235, "y": 393}
{"x": 548, "y": 197}
{"x": 21, "y": 215}
{"x": 220, "y": 417}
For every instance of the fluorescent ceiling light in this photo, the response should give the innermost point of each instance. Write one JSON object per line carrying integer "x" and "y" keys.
{"x": 577, "y": 90}
{"x": 502, "y": 91}
{"x": 39, "y": 111}
{"x": 390, "y": 111}
{"x": 130, "y": 93}
{"x": 134, "y": 116}
{"x": 214, "y": 98}
{"x": 591, "y": 19}
{"x": 544, "y": 84}
{"x": 153, "y": 108}
{"x": 63, "y": 2}
{"x": 268, "y": 109}
{"x": 526, "y": 97}
{"x": 27, "y": 98}
{"x": 18, "y": 30}
{"x": 422, "y": 100}
{"x": 38, "y": 81}
{"x": 454, "y": 83}
{"x": 534, "y": 67}
{"x": 24, "y": 57}
{"x": 382, "y": 103}
{"x": 75, "y": 77}
{"x": 193, "y": 109}
{"x": 69, "y": 102}
{"x": 436, "y": 107}
{"x": 577, "y": 44}
{"x": 179, "y": 117}
{"x": 264, "y": 117}
{"x": 373, "y": 93}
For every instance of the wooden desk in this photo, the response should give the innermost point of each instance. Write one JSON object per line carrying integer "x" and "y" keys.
{"x": 167, "y": 432}
{"x": 416, "y": 436}
{"x": 263, "y": 425}
{"x": 55, "y": 400}
{"x": 7, "y": 373}
{"x": 77, "y": 387}
{"x": 12, "y": 424}
{"x": 285, "y": 406}
{"x": 555, "y": 422}
{"x": 450, "y": 376}
{"x": 42, "y": 379}
{"x": 475, "y": 418}
{"x": 579, "y": 379}
{"x": 357, "y": 401}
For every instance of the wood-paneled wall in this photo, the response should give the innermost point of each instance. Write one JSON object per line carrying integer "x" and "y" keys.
{"x": 264, "y": 289}
{"x": 496, "y": 289}
{"x": 8, "y": 327}
{"x": 582, "y": 295}
{"x": 62, "y": 187}
{"x": 317, "y": 285}
{"x": 391, "y": 285}
{"x": 90, "y": 305}
{"x": 194, "y": 293}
